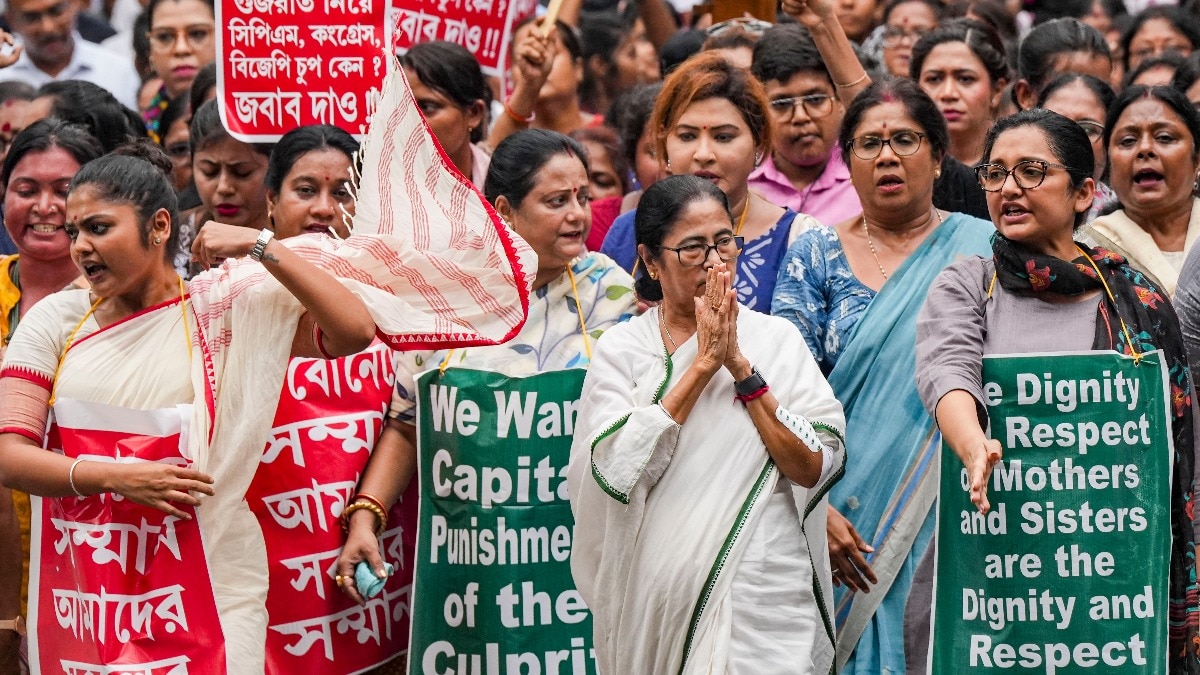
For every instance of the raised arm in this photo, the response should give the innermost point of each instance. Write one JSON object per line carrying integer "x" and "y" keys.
{"x": 345, "y": 324}
{"x": 533, "y": 57}
{"x": 849, "y": 77}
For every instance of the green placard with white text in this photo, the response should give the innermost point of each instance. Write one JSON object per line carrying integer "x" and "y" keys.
{"x": 492, "y": 587}
{"x": 1068, "y": 572}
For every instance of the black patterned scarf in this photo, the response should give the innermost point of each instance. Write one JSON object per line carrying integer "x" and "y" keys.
{"x": 1138, "y": 305}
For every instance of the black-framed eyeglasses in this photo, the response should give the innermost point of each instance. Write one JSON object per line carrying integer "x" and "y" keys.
{"x": 1028, "y": 174}
{"x": 816, "y": 105}
{"x": 903, "y": 143}
{"x": 164, "y": 39}
{"x": 1094, "y": 130}
{"x": 693, "y": 255}
{"x": 893, "y": 35}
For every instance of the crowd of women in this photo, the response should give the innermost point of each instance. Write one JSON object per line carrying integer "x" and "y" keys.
{"x": 781, "y": 252}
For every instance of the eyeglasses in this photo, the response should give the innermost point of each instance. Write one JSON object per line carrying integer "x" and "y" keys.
{"x": 754, "y": 27}
{"x": 1028, "y": 174}
{"x": 1094, "y": 130}
{"x": 816, "y": 105}
{"x": 693, "y": 255}
{"x": 903, "y": 143}
{"x": 893, "y": 35}
{"x": 164, "y": 39}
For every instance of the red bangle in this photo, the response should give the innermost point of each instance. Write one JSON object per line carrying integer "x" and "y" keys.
{"x": 512, "y": 115}
{"x": 317, "y": 333}
{"x": 364, "y": 497}
{"x": 750, "y": 397}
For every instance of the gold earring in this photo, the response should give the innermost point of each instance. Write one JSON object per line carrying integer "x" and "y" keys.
{"x": 653, "y": 276}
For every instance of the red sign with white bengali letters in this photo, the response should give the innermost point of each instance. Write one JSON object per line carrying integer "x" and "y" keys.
{"x": 289, "y": 63}
{"x": 330, "y": 414}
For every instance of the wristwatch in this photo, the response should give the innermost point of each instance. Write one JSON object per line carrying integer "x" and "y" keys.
{"x": 260, "y": 246}
{"x": 750, "y": 384}
{"x": 17, "y": 625}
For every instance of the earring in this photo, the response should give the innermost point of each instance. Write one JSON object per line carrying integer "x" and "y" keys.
{"x": 937, "y": 173}
{"x": 653, "y": 276}
{"x": 758, "y": 158}
{"x": 158, "y": 240}
{"x": 668, "y": 166}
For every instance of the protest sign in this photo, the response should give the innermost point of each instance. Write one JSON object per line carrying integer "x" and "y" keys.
{"x": 484, "y": 27}
{"x": 288, "y": 63}
{"x": 330, "y": 414}
{"x": 114, "y": 586}
{"x": 1068, "y": 571}
{"x": 492, "y": 590}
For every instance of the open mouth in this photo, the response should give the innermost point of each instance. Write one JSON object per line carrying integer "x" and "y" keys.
{"x": 1013, "y": 210}
{"x": 43, "y": 228}
{"x": 316, "y": 228}
{"x": 889, "y": 182}
{"x": 1147, "y": 177}
{"x": 93, "y": 270}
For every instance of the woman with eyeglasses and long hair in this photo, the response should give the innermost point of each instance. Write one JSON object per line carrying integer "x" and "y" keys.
{"x": 182, "y": 41}
{"x": 700, "y": 465}
{"x": 854, "y": 291}
{"x": 1037, "y": 169}
{"x": 1085, "y": 99}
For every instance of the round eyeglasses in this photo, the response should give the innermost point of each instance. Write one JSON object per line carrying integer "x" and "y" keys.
{"x": 816, "y": 105}
{"x": 903, "y": 143}
{"x": 1027, "y": 175}
{"x": 693, "y": 255}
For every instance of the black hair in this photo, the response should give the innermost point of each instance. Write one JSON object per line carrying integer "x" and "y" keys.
{"x": 980, "y": 38}
{"x": 1067, "y": 140}
{"x": 136, "y": 174}
{"x": 178, "y": 108}
{"x": 566, "y": 32}
{"x": 785, "y": 50}
{"x": 95, "y": 108}
{"x": 678, "y": 48}
{"x": 1170, "y": 60}
{"x": 301, "y": 141}
{"x": 1187, "y": 73}
{"x": 916, "y": 103}
{"x": 141, "y": 45}
{"x": 658, "y": 210}
{"x": 154, "y": 4}
{"x": 934, "y": 6}
{"x": 518, "y": 159}
{"x": 734, "y": 38}
{"x": 452, "y": 71}
{"x": 607, "y": 138}
{"x": 1181, "y": 21}
{"x": 1168, "y": 96}
{"x": 1035, "y": 58}
{"x": 600, "y": 35}
{"x": 206, "y": 81}
{"x": 630, "y": 114}
{"x": 16, "y": 90}
{"x": 51, "y": 132}
{"x": 1104, "y": 93}
{"x": 206, "y": 128}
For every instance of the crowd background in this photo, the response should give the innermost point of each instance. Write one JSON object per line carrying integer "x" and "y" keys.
{"x": 842, "y": 136}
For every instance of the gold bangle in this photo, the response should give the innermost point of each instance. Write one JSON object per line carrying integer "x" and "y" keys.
{"x": 854, "y": 83}
{"x": 363, "y": 505}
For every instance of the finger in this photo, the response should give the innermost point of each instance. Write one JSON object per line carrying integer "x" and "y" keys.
{"x": 181, "y": 497}
{"x": 859, "y": 544}
{"x": 169, "y": 509}
{"x": 375, "y": 560}
{"x": 350, "y": 587}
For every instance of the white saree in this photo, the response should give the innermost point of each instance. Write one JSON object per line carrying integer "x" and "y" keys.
{"x": 694, "y": 553}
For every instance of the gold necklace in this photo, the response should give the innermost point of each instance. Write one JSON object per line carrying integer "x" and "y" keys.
{"x": 742, "y": 219}
{"x": 662, "y": 321}
{"x": 871, "y": 244}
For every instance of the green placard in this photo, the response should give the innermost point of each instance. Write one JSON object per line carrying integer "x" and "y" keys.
{"x": 1068, "y": 572}
{"x": 492, "y": 589}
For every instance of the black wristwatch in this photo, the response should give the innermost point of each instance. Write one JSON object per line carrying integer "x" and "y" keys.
{"x": 750, "y": 384}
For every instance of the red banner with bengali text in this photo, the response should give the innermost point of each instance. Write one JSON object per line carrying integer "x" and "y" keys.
{"x": 330, "y": 415}
{"x": 484, "y": 27}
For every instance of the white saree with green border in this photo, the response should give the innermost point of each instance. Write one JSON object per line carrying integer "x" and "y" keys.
{"x": 694, "y": 553}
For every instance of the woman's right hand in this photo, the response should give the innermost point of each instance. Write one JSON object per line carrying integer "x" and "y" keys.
{"x": 533, "y": 57}
{"x": 846, "y": 548}
{"x": 156, "y": 485}
{"x": 713, "y": 315}
{"x": 980, "y": 460}
{"x": 809, "y": 13}
{"x": 361, "y": 545}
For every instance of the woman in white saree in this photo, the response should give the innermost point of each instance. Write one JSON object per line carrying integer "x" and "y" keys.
{"x": 700, "y": 467}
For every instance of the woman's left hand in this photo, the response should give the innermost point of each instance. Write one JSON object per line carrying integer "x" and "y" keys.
{"x": 217, "y": 241}
{"x": 735, "y": 363}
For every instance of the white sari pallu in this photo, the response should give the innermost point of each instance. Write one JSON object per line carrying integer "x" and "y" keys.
{"x": 691, "y": 549}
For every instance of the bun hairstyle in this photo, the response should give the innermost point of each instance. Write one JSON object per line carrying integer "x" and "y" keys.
{"x": 136, "y": 174}
{"x": 658, "y": 210}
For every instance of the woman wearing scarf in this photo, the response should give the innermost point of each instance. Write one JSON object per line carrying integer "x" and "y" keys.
{"x": 700, "y": 466}
{"x": 854, "y": 291}
{"x": 1153, "y": 139}
{"x": 1037, "y": 170}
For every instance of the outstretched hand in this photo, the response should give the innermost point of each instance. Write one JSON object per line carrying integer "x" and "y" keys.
{"x": 983, "y": 458}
